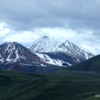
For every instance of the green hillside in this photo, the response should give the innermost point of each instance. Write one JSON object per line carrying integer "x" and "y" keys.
{"x": 92, "y": 65}
{"x": 64, "y": 85}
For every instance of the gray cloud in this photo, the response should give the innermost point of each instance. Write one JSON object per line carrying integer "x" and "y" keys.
{"x": 75, "y": 15}
{"x": 27, "y": 14}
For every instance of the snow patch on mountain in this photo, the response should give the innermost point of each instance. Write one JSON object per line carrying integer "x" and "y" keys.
{"x": 54, "y": 61}
{"x": 49, "y": 60}
{"x": 45, "y": 44}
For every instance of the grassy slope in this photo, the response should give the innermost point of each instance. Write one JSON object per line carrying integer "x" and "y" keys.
{"x": 64, "y": 85}
{"x": 92, "y": 65}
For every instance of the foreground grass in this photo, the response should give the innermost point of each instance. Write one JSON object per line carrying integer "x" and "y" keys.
{"x": 65, "y": 85}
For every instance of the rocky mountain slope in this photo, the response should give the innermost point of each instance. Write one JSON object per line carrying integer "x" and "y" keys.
{"x": 14, "y": 52}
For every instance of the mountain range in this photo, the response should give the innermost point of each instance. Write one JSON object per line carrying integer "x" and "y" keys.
{"x": 59, "y": 52}
{"x": 16, "y": 57}
{"x": 76, "y": 72}
{"x": 43, "y": 56}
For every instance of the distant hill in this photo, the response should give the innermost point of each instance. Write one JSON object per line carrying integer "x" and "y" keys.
{"x": 92, "y": 65}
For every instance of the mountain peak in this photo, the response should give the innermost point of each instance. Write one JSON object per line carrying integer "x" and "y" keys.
{"x": 45, "y": 36}
{"x": 11, "y": 43}
{"x": 15, "y": 52}
{"x": 44, "y": 44}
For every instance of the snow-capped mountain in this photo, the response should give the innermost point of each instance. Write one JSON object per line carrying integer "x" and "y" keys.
{"x": 11, "y": 52}
{"x": 73, "y": 50}
{"x": 45, "y": 44}
{"x": 59, "y": 52}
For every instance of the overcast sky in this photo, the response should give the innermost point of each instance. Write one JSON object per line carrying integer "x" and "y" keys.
{"x": 76, "y": 20}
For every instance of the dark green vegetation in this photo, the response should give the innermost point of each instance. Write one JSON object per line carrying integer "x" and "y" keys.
{"x": 63, "y": 85}
{"x": 92, "y": 65}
